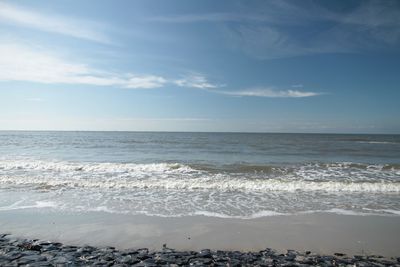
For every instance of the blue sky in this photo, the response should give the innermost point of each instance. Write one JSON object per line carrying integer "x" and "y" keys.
{"x": 249, "y": 66}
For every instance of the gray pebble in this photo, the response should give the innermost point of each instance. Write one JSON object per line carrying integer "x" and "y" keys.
{"x": 15, "y": 252}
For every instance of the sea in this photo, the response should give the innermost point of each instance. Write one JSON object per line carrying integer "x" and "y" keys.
{"x": 227, "y": 175}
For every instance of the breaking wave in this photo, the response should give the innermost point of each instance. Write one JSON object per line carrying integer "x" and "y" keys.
{"x": 334, "y": 177}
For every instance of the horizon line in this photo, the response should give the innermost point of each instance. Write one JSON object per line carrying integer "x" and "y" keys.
{"x": 221, "y": 132}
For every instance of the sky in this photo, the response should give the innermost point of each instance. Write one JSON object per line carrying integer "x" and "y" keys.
{"x": 230, "y": 66}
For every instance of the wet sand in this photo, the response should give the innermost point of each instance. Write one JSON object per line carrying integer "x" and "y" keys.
{"x": 320, "y": 233}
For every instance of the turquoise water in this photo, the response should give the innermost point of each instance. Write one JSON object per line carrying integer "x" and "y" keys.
{"x": 236, "y": 175}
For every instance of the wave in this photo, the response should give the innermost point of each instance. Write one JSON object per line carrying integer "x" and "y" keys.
{"x": 217, "y": 183}
{"x": 60, "y": 166}
{"x": 327, "y": 177}
{"x": 37, "y": 205}
{"x": 371, "y": 140}
{"x": 268, "y": 213}
{"x": 259, "y": 214}
{"x": 239, "y": 168}
{"x": 379, "y": 142}
{"x": 352, "y": 165}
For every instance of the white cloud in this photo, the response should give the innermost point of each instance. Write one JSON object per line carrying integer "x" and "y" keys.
{"x": 195, "y": 81}
{"x": 83, "y": 29}
{"x": 148, "y": 81}
{"x": 20, "y": 63}
{"x": 269, "y": 92}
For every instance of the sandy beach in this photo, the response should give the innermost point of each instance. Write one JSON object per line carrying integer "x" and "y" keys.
{"x": 320, "y": 233}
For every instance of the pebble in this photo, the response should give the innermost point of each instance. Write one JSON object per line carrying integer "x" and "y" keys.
{"x": 36, "y": 253}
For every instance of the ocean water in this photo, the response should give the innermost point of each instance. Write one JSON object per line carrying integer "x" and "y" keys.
{"x": 230, "y": 175}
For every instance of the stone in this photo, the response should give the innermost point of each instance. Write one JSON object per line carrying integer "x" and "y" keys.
{"x": 205, "y": 253}
{"x": 30, "y": 246}
{"x": 40, "y": 264}
{"x": 12, "y": 255}
{"x": 358, "y": 257}
{"x": 142, "y": 256}
{"x": 60, "y": 260}
{"x": 234, "y": 263}
{"x": 85, "y": 249}
{"x": 143, "y": 250}
{"x": 290, "y": 257}
{"x": 129, "y": 252}
{"x": 128, "y": 260}
{"x": 339, "y": 254}
{"x": 108, "y": 257}
{"x": 102, "y": 263}
{"x": 30, "y": 258}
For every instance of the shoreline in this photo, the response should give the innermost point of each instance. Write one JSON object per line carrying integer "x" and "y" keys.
{"x": 17, "y": 251}
{"x": 322, "y": 233}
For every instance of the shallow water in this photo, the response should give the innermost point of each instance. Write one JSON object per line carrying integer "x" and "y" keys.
{"x": 232, "y": 175}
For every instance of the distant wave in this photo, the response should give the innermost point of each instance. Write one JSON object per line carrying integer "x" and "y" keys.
{"x": 379, "y": 142}
{"x": 371, "y": 141}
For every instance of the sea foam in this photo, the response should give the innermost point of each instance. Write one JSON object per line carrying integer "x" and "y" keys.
{"x": 174, "y": 176}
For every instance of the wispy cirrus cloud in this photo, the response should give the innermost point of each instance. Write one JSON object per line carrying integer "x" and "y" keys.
{"x": 195, "y": 80}
{"x": 199, "y": 81}
{"x": 271, "y": 93}
{"x": 78, "y": 28}
{"x": 144, "y": 81}
{"x": 21, "y": 63}
{"x": 32, "y": 64}
{"x": 269, "y": 29}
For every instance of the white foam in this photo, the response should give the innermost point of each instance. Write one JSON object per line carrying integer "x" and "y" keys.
{"x": 106, "y": 209}
{"x": 260, "y": 214}
{"x": 265, "y": 213}
{"x": 219, "y": 183}
{"x": 348, "y": 212}
{"x": 378, "y": 142}
{"x": 396, "y": 212}
{"x": 61, "y": 166}
{"x": 37, "y": 205}
{"x": 268, "y": 213}
{"x": 173, "y": 176}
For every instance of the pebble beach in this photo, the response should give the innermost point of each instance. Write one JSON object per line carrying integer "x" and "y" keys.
{"x": 26, "y": 252}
